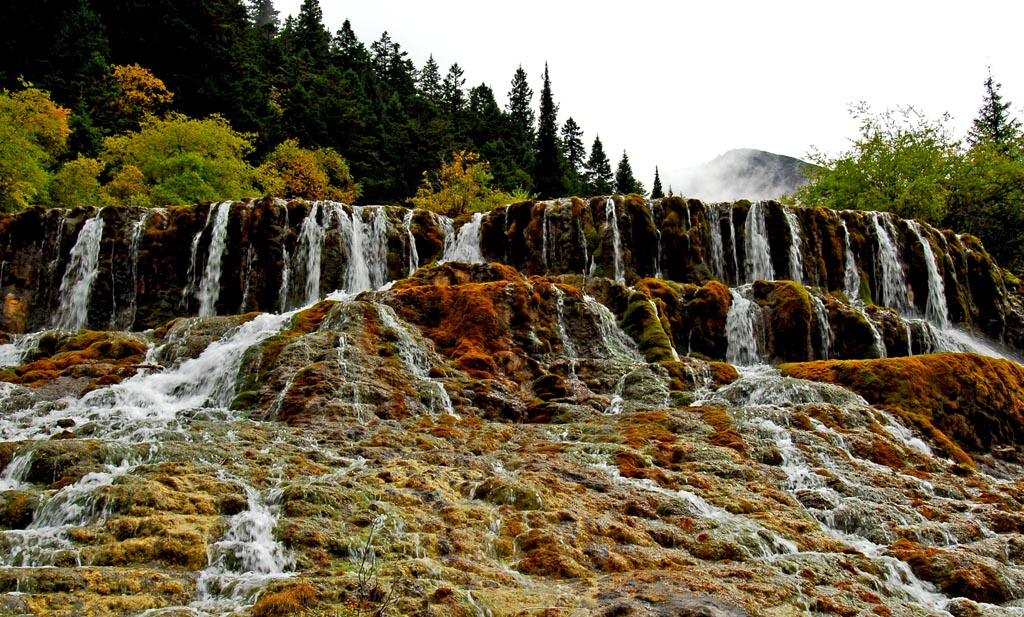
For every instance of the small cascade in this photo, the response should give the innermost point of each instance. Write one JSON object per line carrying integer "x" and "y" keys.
{"x": 717, "y": 256}
{"x": 246, "y": 557}
{"x": 135, "y": 234}
{"x": 464, "y": 246}
{"x": 146, "y": 407}
{"x": 737, "y": 272}
{"x": 81, "y": 271}
{"x": 586, "y": 251}
{"x": 250, "y": 254}
{"x": 892, "y": 280}
{"x": 44, "y": 541}
{"x": 936, "y": 310}
{"x": 209, "y": 286}
{"x": 876, "y": 335}
{"x": 568, "y": 349}
{"x": 764, "y": 385}
{"x": 544, "y": 237}
{"x": 611, "y": 219}
{"x": 759, "y": 254}
{"x": 16, "y": 472}
{"x": 851, "y": 275}
{"x": 617, "y": 403}
{"x": 282, "y": 291}
{"x": 416, "y": 358}
{"x": 414, "y": 256}
{"x": 310, "y": 250}
{"x": 826, "y": 338}
{"x": 744, "y": 328}
{"x": 190, "y": 288}
{"x": 796, "y": 256}
{"x": 617, "y": 344}
{"x": 366, "y": 248}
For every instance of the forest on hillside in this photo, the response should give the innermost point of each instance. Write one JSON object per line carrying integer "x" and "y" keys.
{"x": 221, "y": 98}
{"x": 154, "y": 102}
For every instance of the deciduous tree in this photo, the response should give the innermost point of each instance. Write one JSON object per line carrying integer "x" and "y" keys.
{"x": 33, "y": 132}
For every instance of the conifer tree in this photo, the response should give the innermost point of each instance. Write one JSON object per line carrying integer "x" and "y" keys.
{"x": 994, "y": 125}
{"x": 520, "y": 106}
{"x": 519, "y": 141}
{"x": 656, "y": 190}
{"x": 574, "y": 152}
{"x": 598, "y": 170}
{"x": 264, "y": 16}
{"x": 429, "y": 81}
{"x": 452, "y": 96}
{"x": 625, "y": 182}
{"x": 549, "y": 174}
{"x": 348, "y": 51}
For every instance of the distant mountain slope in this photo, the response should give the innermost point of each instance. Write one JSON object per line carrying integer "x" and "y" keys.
{"x": 740, "y": 174}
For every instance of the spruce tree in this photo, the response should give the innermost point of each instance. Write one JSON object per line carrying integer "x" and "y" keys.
{"x": 574, "y": 152}
{"x": 656, "y": 190}
{"x": 520, "y": 106}
{"x": 429, "y": 81}
{"x": 994, "y": 125}
{"x": 452, "y": 96}
{"x": 598, "y": 171}
{"x": 549, "y": 170}
{"x": 264, "y": 16}
{"x": 625, "y": 182}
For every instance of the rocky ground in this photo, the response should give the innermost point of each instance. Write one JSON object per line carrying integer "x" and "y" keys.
{"x": 472, "y": 443}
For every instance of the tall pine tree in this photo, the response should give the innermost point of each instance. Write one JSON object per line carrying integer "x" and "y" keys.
{"x": 656, "y": 191}
{"x": 625, "y": 182}
{"x": 994, "y": 125}
{"x": 598, "y": 171}
{"x": 574, "y": 151}
{"x": 549, "y": 169}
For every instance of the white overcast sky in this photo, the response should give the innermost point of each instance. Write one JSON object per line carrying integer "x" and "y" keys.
{"x": 677, "y": 83}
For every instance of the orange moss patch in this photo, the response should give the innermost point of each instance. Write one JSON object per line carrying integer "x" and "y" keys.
{"x": 962, "y": 402}
{"x": 86, "y": 354}
{"x": 309, "y": 320}
{"x": 724, "y": 435}
{"x": 953, "y": 574}
{"x": 288, "y": 602}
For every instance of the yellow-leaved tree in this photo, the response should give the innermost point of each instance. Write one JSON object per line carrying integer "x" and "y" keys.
{"x": 33, "y": 132}
{"x": 462, "y": 185}
{"x": 293, "y": 171}
{"x": 138, "y": 93}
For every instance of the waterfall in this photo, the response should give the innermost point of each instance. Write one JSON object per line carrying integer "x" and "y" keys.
{"x": 464, "y": 246}
{"x": 714, "y": 219}
{"x": 759, "y": 255}
{"x": 366, "y": 248}
{"x": 892, "y": 280}
{"x": 737, "y": 272}
{"x": 416, "y": 358}
{"x": 81, "y": 271}
{"x": 568, "y": 349}
{"x": 16, "y": 471}
{"x": 672, "y": 344}
{"x": 744, "y": 329}
{"x": 310, "y": 250}
{"x": 190, "y": 288}
{"x": 209, "y": 287}
{"x": 796, "y": 257}
{"x": 851, "y": 275}
{"x": 611, "y": 219}
{"x": 544, "y": 237}
{"x": 138, "y": 230}
{"x": 414, "y": 256}
{"x": 935, "y": 311}
{"x": 283, "y": 297}
{"x": 821, "y": 316}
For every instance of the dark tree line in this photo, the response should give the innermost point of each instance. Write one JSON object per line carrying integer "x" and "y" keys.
{"x": 296, "y": 79}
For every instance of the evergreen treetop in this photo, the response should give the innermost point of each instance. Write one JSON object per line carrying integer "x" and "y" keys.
{"x": 598, "y": 171}
{"x": 994, "y": 125}
{"x": 625, "y": 182}
{"x": 656, "y": 191}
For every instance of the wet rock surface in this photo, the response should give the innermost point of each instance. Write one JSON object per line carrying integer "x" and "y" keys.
{"x": 529, "y": 436}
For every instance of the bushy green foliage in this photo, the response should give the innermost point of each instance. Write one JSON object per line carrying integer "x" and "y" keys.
{"x": 901, "y": 162}
{"x": 184, "y": 160}
{"x": 33, "y": 132}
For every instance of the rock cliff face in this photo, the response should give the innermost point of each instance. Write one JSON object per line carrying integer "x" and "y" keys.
{"x": 555, "y": 408}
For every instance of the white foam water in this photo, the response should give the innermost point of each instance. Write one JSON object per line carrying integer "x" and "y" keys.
{"x": 79, "y": 275}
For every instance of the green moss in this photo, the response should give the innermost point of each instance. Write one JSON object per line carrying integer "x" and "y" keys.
{"x": 641, "y": 322}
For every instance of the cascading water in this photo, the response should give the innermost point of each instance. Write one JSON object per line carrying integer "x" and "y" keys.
{"x": 310, "y": 249}
{"x": 366, "y": 248}
{"x": 544, "y": 237}
{"x": 127, "y": 320}
{"x": 737, "y": 272}
{"x": 796, "y": 257}
{"x": 209, "y": 286}
{"x": 936, "y": 310}
{"x": 414, "y": 256}
{"x": 81, "y": 271}
{"x": 744, "y": 330}
{"x": 416, "y": 359}
{"x": 892, "y": 280}
{"x": 464, "y": 246}
{"x": 611, "y": 219}
{"x": 825, "y": 330}
{"x": 759, "y": 254}
{"x": 191, "y": 287}
{"x": 851, "y": 275}
{"x": 714, "y": 220}
{"x": 283, "y": 301}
